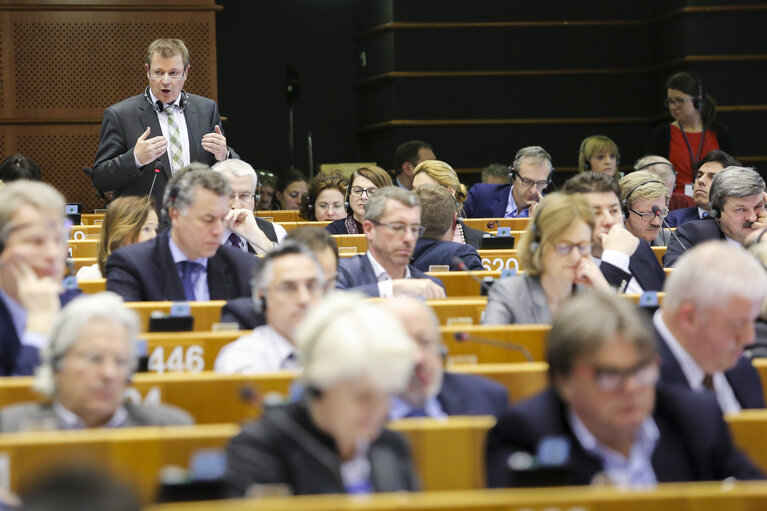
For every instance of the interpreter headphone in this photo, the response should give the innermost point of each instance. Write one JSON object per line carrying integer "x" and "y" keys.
{"x": 624, "y": 204}
{"x": 535, "y": 231}
{"x": 697, "y": 102}
{"x": 646, "y": 165}
{"x": 183, "y": 100}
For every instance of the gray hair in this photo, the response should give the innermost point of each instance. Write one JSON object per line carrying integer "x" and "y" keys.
{"x": 264, "y": 272}
{"x": 735, "y": 182}
{"x": 658, "y": 165}
{"x": 185, "y": 181}
{"x": 538, "y": 154}
{"x": 33, "y": 193}
{"x": 66, "y": 331}
{"x": 591, "y": 320}
{"x": 712, "y": 274}
{"x": 237, "y": 168}
{"x": 345, "y": 337}
{"x": 376, "y": 206}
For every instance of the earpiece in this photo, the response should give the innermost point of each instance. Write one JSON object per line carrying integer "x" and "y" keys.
{"x": 536, "y": 243}
{"x": 697, "y": 102}
{"x": 587, "y": 163}
{"x": 624, "y": 204}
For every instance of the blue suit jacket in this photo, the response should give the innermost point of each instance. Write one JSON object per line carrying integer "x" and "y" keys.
{"x": 694, "y": 443}
{"x": 690, "y": 234}
{"x": 488, "y": 201}
{"x": 743, "y": 378}
{"x": 356, "y": 274}
{"x": 428, "y": 252}
{"x": 146, "y": 272}
{"x": 643, "y": 265}
{"x": 467, "y": 394}
{"x": 16, "y": 359}
{"x": 679, "y": 216}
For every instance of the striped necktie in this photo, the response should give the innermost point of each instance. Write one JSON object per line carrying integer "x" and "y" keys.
{"x": 176, "y": 151}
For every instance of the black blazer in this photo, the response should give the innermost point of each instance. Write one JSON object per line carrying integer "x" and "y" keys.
{"x": 122, "y": 124}
{"x": 643, "y": 265}
{"x": 242, "y": 312}
{"x": 690, "y": 234}
{"x": 146, "y": 272}
{"x": 356, "y": 274}
{"x": 694, "y": 443}
{"x": 435, "y": 252}
{"x": 285, "y": 447}
{"x": 467, "y": 394}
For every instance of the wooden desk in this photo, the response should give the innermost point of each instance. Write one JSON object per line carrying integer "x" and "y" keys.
{"x": 482, "y": 224}
{"x": 659, "y": 253}
{"x": 186, "y": 351}
{"x": 461, "y": 283}
{"x": 84, "y": 248}
{"x": 90, "y": 287}
{"x": 748, "y": 430}
{"x": 459, "y": 310}
{"x": 497, "y": 260}
{"x": 79, "y": 262}
{"x": 531, "y": 337}
{"x": 81, "y": 232}
{"x": 286, "y": 215}
{"x": 205, "y": 313}
{"x": 522, "y": 380}
{"x": 358, "y": 241}
{"x": 91, "y": 218}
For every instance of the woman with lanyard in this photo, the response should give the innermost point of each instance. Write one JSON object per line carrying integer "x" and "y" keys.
{"x": 694, "y": 131}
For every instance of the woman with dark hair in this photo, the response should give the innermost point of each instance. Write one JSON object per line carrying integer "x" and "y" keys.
{"x": 363, "y": 183}
{"x": 18, "y": 166}
{"x": 325, "y": 199}
{"x": 291, "y": 186}
{"x": 694, "y": 131}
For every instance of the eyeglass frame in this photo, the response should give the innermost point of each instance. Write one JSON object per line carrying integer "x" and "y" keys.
{"x": 528, "y": 183}
{"x": 602, "y": 375}
{"x": 366, "y": 191}
{"x": 663, "y": 214}
{"x": 677, "y": 102}
{"x": 400, "y": 228}
{"x": 586, "y": 250}
{"x": 245, "y": 196}
{"x": 156, "y": 77}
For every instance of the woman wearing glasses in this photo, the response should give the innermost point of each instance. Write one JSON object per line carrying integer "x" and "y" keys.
{"x": 324, "y": 202}
{"x": 555, "y": 251}
{"x": 695, "y": 130}
{"x": 363, "y": 183}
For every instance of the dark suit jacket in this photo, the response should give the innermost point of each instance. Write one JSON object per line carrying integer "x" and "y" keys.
{"x": 356, "y": 273}
{"x": 16, "y": 359}
{"x": 285, "y": 447}
{"x": 690, "y": 234}
{"x": 487, "y": 201}
{"x": 428, "y": 252}
{"x": 242, "y": 312}
{"x": 122, "y": 124}
{"x": 472, "y": 236}
{"x": 146, "y": 272}
{"x": 743, "y": 378}
{"x": 679, "y": 216}
{"x": 467, "y": 394}
{"x": 694, "y": 443}
{"x": 643, "y": 265}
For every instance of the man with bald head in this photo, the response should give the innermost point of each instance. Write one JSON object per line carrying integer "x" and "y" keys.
{"x": 432, "y": 391}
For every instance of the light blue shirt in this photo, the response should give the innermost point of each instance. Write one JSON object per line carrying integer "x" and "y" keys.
{"x": 199, "y": 278}
{"x": 400, "y": 408}
{"x": 511, "y": 207}
{"x": 634, "y": 471}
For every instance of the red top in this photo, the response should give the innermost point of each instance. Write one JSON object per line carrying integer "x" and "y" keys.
{"x": 679, "y": 154}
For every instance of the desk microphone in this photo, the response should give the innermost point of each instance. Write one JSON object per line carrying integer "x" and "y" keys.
{"x": 157, "y": 167}
{"x": 466, "y": 336}
{"x": 461, "y": 266}
{"x": 492, "y": 223}
{"x": 656, "y": 211}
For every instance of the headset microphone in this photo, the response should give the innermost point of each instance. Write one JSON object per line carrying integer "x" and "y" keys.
{"x": 158, "y": 106}
{"x": 656, "y": 212}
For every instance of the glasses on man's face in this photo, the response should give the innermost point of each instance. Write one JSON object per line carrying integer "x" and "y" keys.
{"x": 565, "y": 248}
{"x": 244, "y": 197}
{"x": 529, "y": 183}
{"x": 292, "y": 288}
{"x": 96, "y": 360}
{"x": 324, "y": 207}
{"x": 357, "y": 191}
{"x": 172, "y": 75}
{"x": 676, "y": 101}
{"x": 649, "y": 217}
{"x": 400, "y": 229}
{"x": 610, "y": 379}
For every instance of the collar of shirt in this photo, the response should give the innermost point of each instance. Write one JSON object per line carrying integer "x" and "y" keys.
{"x": 281, "y": 347}
{"x": 379, "y": 270}
{"x": 399, "y": 183}
{"x": 636, "y": 470}
{"x": 731, "y": 241}
{"x": 399, "y": 408}
{"x": 355, "y": 473}
{"x": 18, "y": 313}
{"x": 69, "y": 420}
{"x": 511, "y": 207}
{"x": 179, "y": 256}
{"x": 702, "y": 213}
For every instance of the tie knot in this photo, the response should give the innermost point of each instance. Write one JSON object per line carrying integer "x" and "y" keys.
{"x": 708, "y": 382}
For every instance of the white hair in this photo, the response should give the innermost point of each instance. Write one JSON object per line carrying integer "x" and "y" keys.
{"x": 713, "y": 273}
{"x": 345, "y": 337}
{"x": 106, "y": 306}
{"x": 237, "y": 168}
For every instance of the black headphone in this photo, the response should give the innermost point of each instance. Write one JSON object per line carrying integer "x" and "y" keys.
{"x": 714, "y": 212}
{"x": 656, "y": 163}
{"x": 158, "y": 107}
{"x": 624, "y": 204}
{"x": 697, "y": 101}
{"x": 535, "y": 231}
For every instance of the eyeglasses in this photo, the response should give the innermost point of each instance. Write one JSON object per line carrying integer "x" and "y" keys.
{"x": 172, "y": 76}
{"x": 566, "y": 248}
{"x": 529, "y": 183}
{"x": 292, "y": 288}
{"x": 357, "y": 191}
{"x": 676, "y": 101}
{"x": 649, "y": 217}
{"x": 400, "y": 229}
{"x": 244, "y": 197}
{"x": 610, "y": 379}
{"x": 324, "y": 207}
{"x": 96, "y": 360}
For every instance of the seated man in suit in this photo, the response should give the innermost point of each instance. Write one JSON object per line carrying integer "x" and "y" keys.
{"x": 664, "y": 170}
{"x": 86, "y": 368}
{"x": 319, "y": 242}
{"x": 32, "y": 259}
{"x": 432, "y": 391}
{"x": 187, "y": 262}
{"x": 407, "y": 156}
{"x": 439, "y": 215}
{"x": 713, "y": 297}
{"x": 286, "y": 285}
{"x": 706, "y": 169}
{"x": 243, "y": 230}
{"x": 640, "y": 192}
{"x": 737, "y": 209}
{"x": 627, "y": 262}
{"x": 392, "y": 225}
{"x": 604, "y": 411}
{"x": 530, "y": 175}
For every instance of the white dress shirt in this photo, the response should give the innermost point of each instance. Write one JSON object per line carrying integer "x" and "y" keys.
{"x": 620, "y": 260}
{"x": 263, "y": 350}
{"x": 180, "y": 119}
{"x": 385, "y": 287}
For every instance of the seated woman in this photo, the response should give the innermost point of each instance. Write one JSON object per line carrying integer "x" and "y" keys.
{"x": 439, "y": 172}
{"x": 325, "y": 199}
{"x": 600, "y": 154}
{"x": 355, "y": 356}
{"x": 362, "y": 184}
{"x": 128, "y": 220}
{"x": 555, "y": 251}
{"x": 291, "y": 186}
{"x": 85, "y": 370}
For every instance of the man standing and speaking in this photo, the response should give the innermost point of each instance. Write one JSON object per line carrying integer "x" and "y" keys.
{"x": 164, "y": 128}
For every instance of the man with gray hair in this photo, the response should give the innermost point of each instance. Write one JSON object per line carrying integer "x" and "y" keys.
{"x": 392, "y": 226}
{"x": 712, "y": 299}
{"x": 663, "y": 168}
{"x": 530, "y": 174}
{"x": 186, "y": 263}
{"x": 737, "y": 209}
{"x": 243, "y": 230}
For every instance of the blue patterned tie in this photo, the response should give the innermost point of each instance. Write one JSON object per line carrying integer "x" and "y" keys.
{"x": 234, "y": 241}
{"x": 188, "y": 269}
